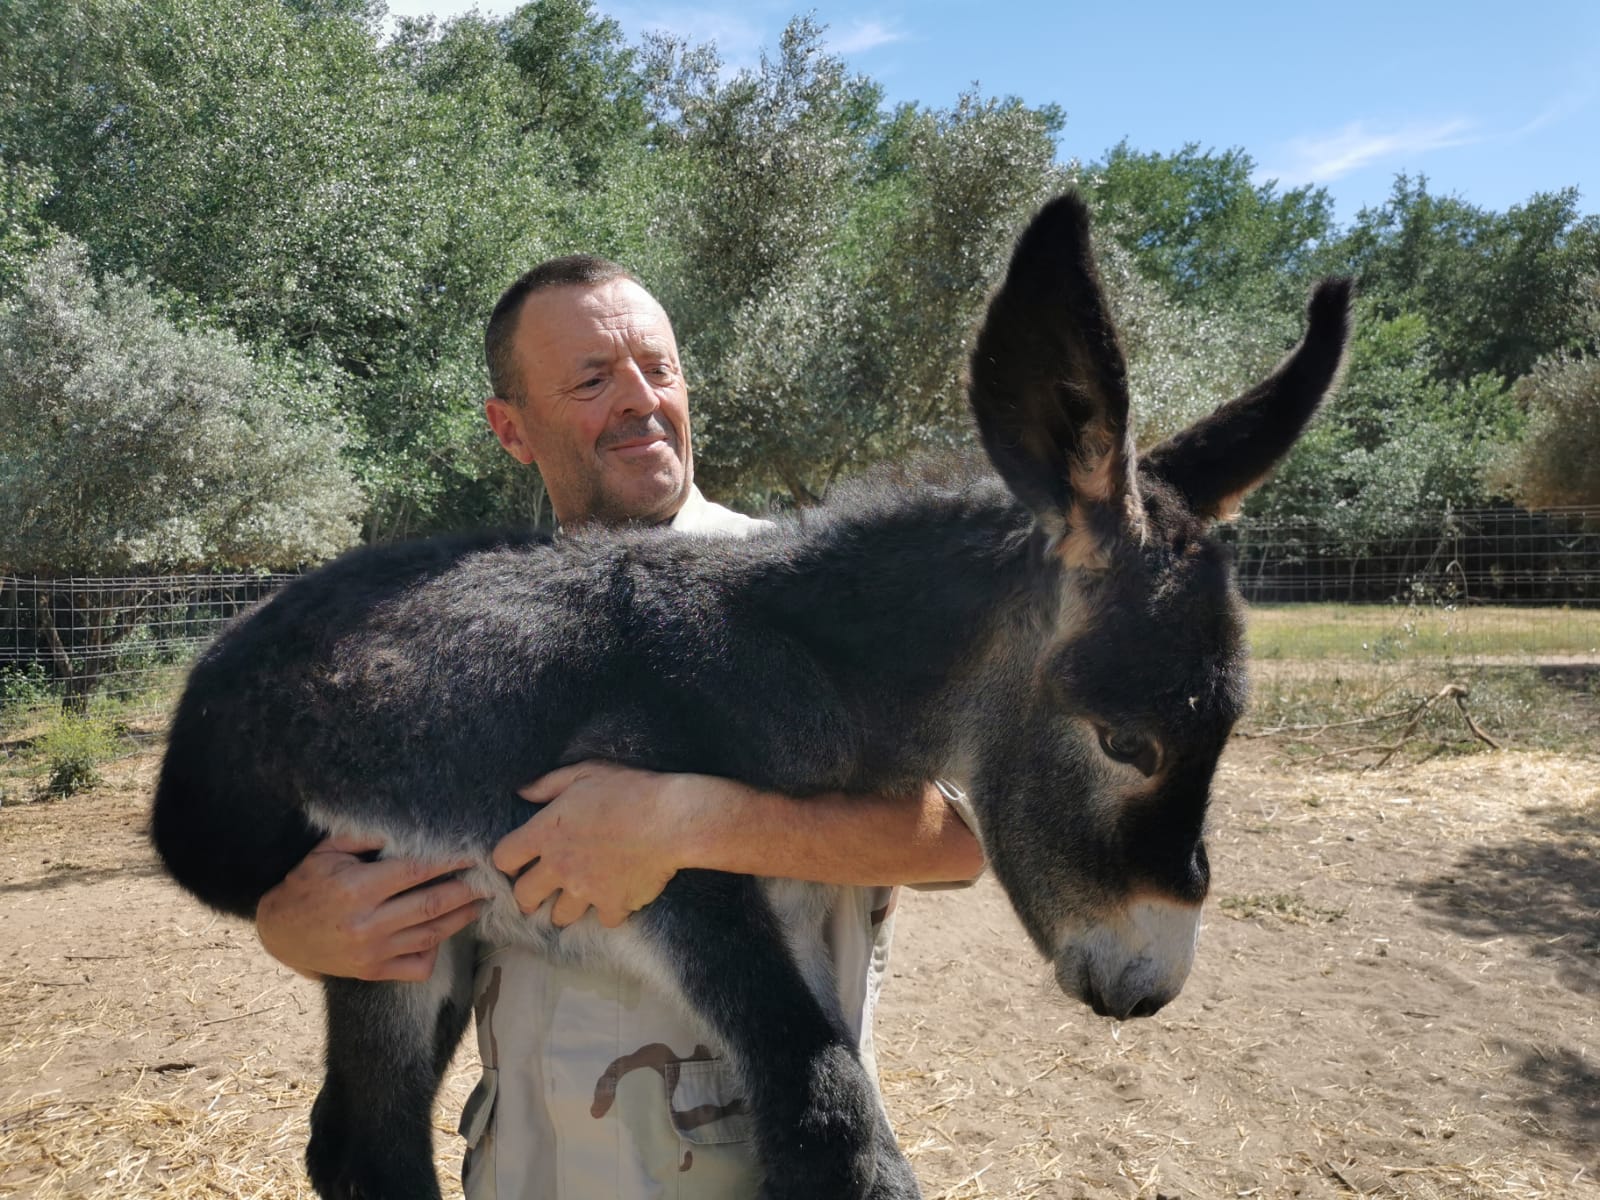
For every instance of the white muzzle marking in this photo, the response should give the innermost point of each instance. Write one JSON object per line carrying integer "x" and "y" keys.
{"x": 1133, "y": 963}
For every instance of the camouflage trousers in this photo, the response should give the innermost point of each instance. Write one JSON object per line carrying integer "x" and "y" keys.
{"x": 593, "y": 1088}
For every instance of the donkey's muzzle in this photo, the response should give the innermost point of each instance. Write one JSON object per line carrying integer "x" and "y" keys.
{"x": 1124, "y": 999}
{"x": 1132, "y": 964}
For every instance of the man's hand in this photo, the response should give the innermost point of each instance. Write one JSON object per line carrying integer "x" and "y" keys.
{"x": 612, "y": 837}
{"x": 604, "y": 840}
{"x": 338, "y": 914}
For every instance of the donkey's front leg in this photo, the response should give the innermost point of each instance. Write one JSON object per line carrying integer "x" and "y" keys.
{"x": 820, "y": 1129}
{"x": 388, "y": 1047}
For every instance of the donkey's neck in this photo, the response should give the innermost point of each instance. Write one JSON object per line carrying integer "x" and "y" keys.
{"x": 909, "y": 599}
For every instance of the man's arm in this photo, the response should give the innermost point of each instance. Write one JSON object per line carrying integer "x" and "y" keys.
{"x": 611, "y": 837}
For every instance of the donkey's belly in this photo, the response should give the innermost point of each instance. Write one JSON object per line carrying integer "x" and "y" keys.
{"x": 801, "y": 908}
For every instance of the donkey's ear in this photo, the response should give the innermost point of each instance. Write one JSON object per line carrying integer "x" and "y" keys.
{"x": 1049, "y": 388}
{"x": 1216, "y": 461}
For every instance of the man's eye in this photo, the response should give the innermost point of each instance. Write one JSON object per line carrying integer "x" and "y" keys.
{"x": 1128, "y": 746}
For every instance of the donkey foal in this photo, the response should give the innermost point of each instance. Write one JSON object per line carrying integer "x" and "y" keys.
{"x": 1059, "y": 632}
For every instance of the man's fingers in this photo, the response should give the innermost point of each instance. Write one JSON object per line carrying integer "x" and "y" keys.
{"x": 348, "y": 844}
{"x": 416, "y": 908}
{"x": 548, "y": 787}
{"x": 534, "y": 888}
{"x": 518, "y": 848}
{"x": 408, "y": 968}
{"x": 420, "y": 939}
{"x": 567, "y": 909}
{"x": 391, "y": 876}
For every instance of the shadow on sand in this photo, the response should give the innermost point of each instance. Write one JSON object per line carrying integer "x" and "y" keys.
{"x": 1543, "y": 889}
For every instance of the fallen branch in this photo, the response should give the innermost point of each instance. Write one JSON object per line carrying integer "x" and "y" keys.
{"x": 1461, "y": 703}
{"x": 1315, "y": 729}
{"x": 1449, "y": 689}
{"x": 1457, "y": 692}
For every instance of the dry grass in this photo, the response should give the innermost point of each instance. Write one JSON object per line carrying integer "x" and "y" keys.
{"x": 242, "y": 1135}
{"x": 1314, "y": 709}
{"x": 1435, "y": 1041}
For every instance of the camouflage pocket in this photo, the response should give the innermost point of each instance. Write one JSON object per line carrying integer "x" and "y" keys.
{"x": 708, "y": 1104}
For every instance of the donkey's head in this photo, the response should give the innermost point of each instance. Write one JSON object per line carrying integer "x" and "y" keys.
{"x": 1092, "y": 791}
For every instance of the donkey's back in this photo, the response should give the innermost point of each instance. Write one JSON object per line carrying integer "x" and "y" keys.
{"x": 408, "y": 690}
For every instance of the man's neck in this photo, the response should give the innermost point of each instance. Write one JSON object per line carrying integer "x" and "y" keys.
{"x": 586, "y": 520}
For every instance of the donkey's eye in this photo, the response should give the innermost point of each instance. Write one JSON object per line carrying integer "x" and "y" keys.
{"x": 1126, "y": 746}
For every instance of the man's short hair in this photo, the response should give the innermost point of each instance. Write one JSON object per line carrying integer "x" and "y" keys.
{"x": 499, "y": 340}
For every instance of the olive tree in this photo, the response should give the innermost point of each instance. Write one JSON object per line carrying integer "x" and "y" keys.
{"x": 1558, "y": 460}
{"x": 129, "y": 444}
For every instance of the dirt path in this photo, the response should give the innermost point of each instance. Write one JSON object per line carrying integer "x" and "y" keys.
{"x": 1397, "y": 995}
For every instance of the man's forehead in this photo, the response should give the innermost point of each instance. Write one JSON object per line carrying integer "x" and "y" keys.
{"x": 581, "y": 320}
{"x": 566, "y": 330}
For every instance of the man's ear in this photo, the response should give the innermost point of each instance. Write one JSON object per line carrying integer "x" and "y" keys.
{"x": 505, "y": 419}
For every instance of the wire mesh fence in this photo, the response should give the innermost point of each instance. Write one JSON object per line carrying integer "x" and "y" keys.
{"x": 1488, "y": 587}
{"x": 1499, "y": 586}
{"x": 112, "y": 646}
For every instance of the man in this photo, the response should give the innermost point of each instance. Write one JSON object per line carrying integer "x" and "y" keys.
{"x": 592, "y": 1086}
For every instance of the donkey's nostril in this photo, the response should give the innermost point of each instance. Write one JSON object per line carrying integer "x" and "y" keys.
{"x": 1148, "y": 1007}
{"x": 1200, "y": 869}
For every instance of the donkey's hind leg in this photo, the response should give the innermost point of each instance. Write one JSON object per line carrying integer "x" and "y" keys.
{"x": 388, "y": 1047}
{"x": 820, "y": 1129}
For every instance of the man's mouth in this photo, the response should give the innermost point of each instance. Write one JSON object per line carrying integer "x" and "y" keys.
{"x": 639, "y": 447}
{"x": 643, "y": 444}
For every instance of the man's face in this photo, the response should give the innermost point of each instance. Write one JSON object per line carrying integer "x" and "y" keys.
{"x": 605, "y": 410}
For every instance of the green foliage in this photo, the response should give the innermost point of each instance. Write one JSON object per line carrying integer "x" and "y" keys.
{"x": 24, "y": 689}
{"x": 1499, "y": 290}
{"x": 1183, "y": 362}
{"x": 849, "y": 360}
{"x": 1197, "y": 223}
{"x": 949, "y": 191}
{"x": 23, "y": 229}
{"x": 72, "y": 748}
{"x": 299, "y": 187}
{"x": 1395, "y": 440}
{"x": 1457, "y": 302}
{"x": 577, "y": 78}
{"x": 828, "y": 253}
{"x": 126, "y": 441}
{"x": 769, "y": 171}
{"x": 349, "y": 206}
{"x": 1558, "y": 462}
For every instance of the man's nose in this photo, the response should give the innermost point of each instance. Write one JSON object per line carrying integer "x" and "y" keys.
{"x": 633, "y": 393}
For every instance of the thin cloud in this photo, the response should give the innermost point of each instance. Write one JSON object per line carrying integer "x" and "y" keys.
{"x": 863, "y": 36}
{"x": 1565, "y": 106}
{"x": 1326, "y": 158}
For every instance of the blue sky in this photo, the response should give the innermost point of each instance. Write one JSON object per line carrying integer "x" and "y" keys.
{"x": 1490, "y": 102}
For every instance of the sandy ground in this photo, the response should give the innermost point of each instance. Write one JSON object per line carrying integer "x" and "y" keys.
{"x": 1397, "y": 994}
